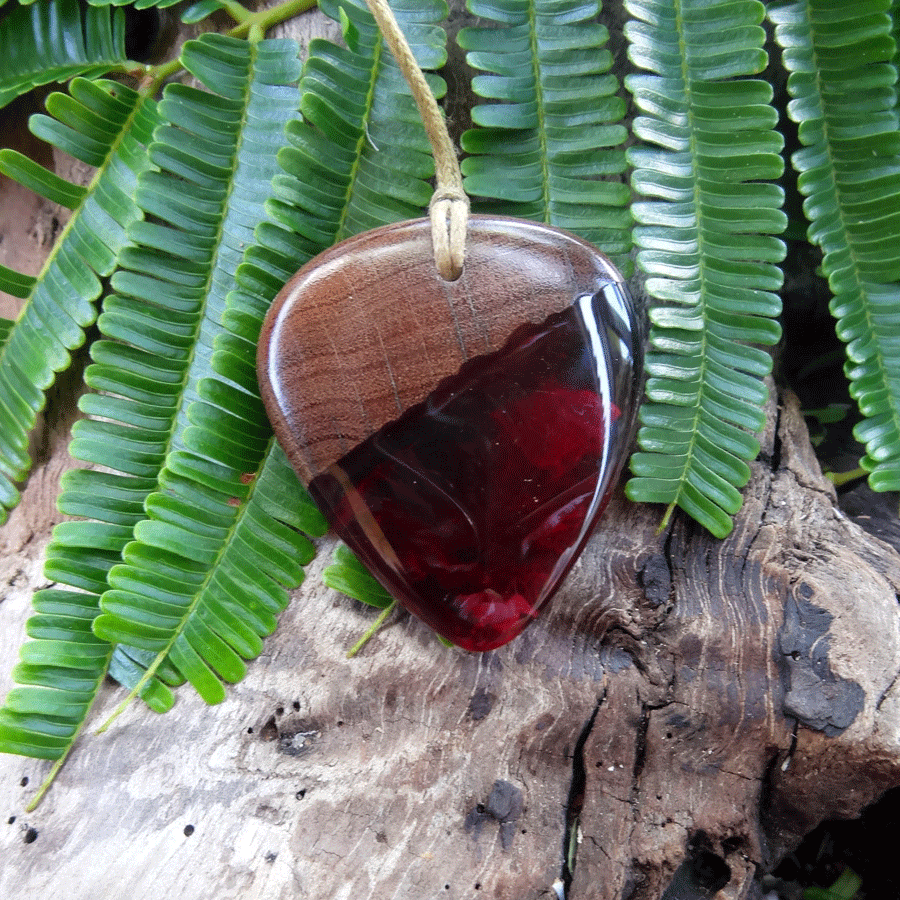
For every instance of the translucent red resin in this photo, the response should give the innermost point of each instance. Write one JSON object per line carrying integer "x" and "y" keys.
{"x": 473, "y": 505}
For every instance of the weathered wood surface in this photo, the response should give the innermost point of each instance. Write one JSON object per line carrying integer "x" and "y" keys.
{"x": 687, "y": 710}
{"x": 667, "y": 675}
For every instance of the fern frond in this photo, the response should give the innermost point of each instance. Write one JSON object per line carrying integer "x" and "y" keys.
{"x": 55, "y": 40}
{"x": 551, "y": 148}
{"x": 361, "y": 157}
{"x": 707, "y": 247}
{"x": 147, "y": 381}
{"x": 216, "y": 158}
{"x": 843, "y": 86}
{"x": 210, "y": 566}
{"x": 108, "y": 126}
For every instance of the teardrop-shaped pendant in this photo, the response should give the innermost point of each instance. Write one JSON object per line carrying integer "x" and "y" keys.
{"x": 461, "y": 437}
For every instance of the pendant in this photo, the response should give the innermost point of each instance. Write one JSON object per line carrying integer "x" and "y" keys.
{"x": 462, "y": 438}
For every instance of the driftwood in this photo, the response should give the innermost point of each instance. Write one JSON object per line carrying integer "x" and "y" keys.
{"x": 686, "y": 711}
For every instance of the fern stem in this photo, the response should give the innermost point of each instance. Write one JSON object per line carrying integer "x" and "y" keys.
{"x": 541, "y": 124}
{"x": 156, "y": 75}
{"x": 370, "y": 633}
{"x": 838, "y": 479}
{"x": 236, "y": 10}
{"x": 47, "y": 783}
{"x": 260, "y": 22}
{"x": 145, "y": 679}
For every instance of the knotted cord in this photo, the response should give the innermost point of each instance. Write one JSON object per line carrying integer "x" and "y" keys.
{"x": 449, "y": 207}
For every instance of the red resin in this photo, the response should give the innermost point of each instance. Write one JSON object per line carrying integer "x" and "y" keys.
{"x": 471, "y": 506}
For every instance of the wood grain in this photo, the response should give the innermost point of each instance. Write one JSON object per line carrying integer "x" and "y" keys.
{"x": 369, "y": 328}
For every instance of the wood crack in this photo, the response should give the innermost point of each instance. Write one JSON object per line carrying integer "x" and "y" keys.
{"x": 575, "y": 801}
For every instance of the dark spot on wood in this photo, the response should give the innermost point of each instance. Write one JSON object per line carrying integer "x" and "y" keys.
{"x": 504, "y": 805}
{"x": 814, "y": 694}
{"x": 677, "y": 720}
{"x": 713, "y": 872}
{"x": 689, "y": 649}
{"x": 381, "y": 837}
{"x": 656, "y": 580}
{"x": 731, "y": 845}
{"x": 480, "y": 704}
{"x": 544, "y": 722}
{"x": 505, "y": 801}
{"x": 271, "y": 856}
{"x": 702, "y": 874}
{"x": 10, "y": 820}
{"x": 269, "y": 731}
{"x": 31, "y": 835}
{"x": 300, "y": 794}
{"x": 616, "y": 659}
{"x": 188, "y": 830}
{"x": 296, "y": 705}
{"x": 297, "y": 736}
{"x": 250, "y": 730}
{"x": 279, "y": 711}
{"x": 24, "y": 782}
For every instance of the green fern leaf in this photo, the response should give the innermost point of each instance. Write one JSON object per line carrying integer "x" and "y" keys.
{"x": 551, "y": 147}
{"x": 16, "y": 283}
{"x": 707, "y": 247}
{"x": 209, "y": 621}
{"x": 201, "y": 10}
{"x": 216, "y": 159}
{"x": 143, "y": 404}
{"x": 59, "y": 674}
{"x": 349, "y": 576}
{"x": 56, "y": 40}
{"x": 108, "y": 126}
{"x": 226, "y": 491}
{"x": 843, "y": 86}
{"x": 137, "y": 4}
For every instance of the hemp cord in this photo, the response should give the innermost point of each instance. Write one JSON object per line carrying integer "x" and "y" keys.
{"x": 449, "y": 207}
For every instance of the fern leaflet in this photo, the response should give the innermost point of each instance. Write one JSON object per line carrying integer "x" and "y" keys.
{"x": 550, "y": 148}
{"x": 844, "y": 94}
{"x": 707, "y": 245}
{"x": 56, "y": 40}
